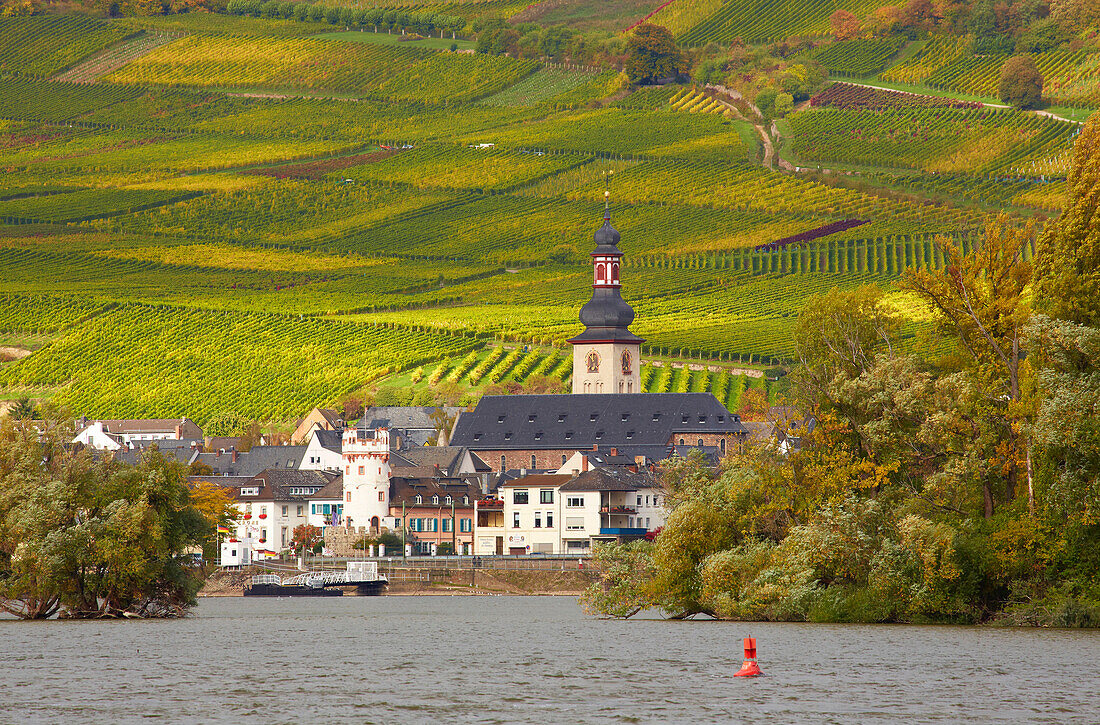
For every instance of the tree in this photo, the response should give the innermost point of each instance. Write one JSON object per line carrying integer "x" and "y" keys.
{"x": 217, "y": 507}
{"x": 652, "y": 55}
{"x": 23, "y": 409}
{"x": 88, "y": 538}
{"x": 845, "y": 25}
{"x": 980, "y": 300}
{"x": 307, "y": 537}
{"x": 1021, "y": 82}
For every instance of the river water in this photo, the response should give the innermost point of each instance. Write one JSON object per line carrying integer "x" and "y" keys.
{"x": 529, "y": 660}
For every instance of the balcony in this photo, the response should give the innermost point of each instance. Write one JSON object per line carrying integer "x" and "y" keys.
{"x": 617, "y": 510}
{"x": 622, "y": 531}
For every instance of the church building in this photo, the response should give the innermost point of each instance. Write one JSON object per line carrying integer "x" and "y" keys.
{"x": 607, "y": 408}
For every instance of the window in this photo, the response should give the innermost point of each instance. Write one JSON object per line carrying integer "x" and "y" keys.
{"x": 700, "y": 442}
{"x": 538, "y": 519}
{"x": 381, "y": 496}
{"x": 326, "y": 509}
{"x": 647, "y": 500}
{"x": 683, "y": 419}
{"x": 349, "y": 496}
{"x": 313, "y": 509}
{"x": 502, "y": 463}
{"x": 681, "y": 441}
{"x": 285, "y": 510}
{"x": 702, "y": 419}
{"x": 362, "y": 470}
{"x": 435, "y": 500}
{"x": 515, "y": 520}
{"x": 629, "y": 434}
{"x": 299, "y": 510}
{"x": 594, "y": 417}
{"x": 574, "y": 523}
{"x": 531, "y": 418}
{"x": 655, "y": 501}
{"x": 549, "y": 519}
{"x": 639, "y": 501}
{"x": 448, "y": 525}
{"x": 433, "y": 525}
{"x": 448, "y": 500}
{"x": 626, "y": 417}
{"x": 465, "y": 500}
{"x": 561, "y": 417}
{"x": 574, "y": 502}
{"x": 500, "y": 419}
{"x": 647, "y": 522}
{"x": 284, "y": 537}
{"x": 466, "y": 525}
{"x": 599, "y": 434}
{"x": 546, "y": 495}
{"x": 722, "y": 445}
{"x": 419, "y": 499}
{"x": 656, "y": 417}
{"x": 519, "y": 497}
{"x": 563, "y": 459}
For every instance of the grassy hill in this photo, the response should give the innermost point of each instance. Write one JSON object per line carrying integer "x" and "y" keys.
{"x": 242, "y": 218}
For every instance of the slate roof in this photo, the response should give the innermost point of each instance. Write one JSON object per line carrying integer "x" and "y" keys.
{"x": 626, "y": 421}
{"x": 332, "y": 491}
{"x": 329, "y": 439}
{"x": 181, "y": 450}
{"x": 259, "y": 458}
{"x": 609, "y": 479}
{"x": 152, "y": 425}
{"x": 536, "y": 480}
{"x": 276, "y": 484}
{"x": 405, "y": 490}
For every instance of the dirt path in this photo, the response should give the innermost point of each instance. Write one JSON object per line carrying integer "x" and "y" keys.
{"x": 769, "y": 149}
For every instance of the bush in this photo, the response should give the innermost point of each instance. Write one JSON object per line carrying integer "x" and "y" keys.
{"x": 1021, "y": 82}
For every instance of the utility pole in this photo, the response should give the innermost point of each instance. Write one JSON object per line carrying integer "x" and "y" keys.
{"x": 454, "y": 532}
{"x": 404, "y": 551}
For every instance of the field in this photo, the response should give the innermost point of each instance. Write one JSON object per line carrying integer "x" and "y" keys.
{"x": 245, "y": 217}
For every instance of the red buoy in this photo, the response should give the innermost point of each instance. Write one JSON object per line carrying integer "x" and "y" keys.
{"x": 749, "y": 668}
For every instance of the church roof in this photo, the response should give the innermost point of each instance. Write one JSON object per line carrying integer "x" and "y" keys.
{"x": 627, "y": 421}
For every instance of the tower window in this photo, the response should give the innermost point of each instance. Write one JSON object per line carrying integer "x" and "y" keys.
{"x": 700, "y": 442}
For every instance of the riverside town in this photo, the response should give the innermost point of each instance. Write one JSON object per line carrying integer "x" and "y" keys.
{"x": 526, "y": 361}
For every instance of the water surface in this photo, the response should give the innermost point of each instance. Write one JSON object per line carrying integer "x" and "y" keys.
{"x": 529, "y": 660}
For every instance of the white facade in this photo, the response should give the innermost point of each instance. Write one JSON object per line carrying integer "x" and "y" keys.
{"x": 319, "y": 458}
{"x": 606, "y": 367}
{"x": 95, "y": 437}
{"x": 268, "y": 525}
{"x": 326, "y": 512}
{"x": 366, "y": 463}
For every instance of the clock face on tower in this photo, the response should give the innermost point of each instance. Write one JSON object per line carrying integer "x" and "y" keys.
{"x": 626, "y": 362}
{"x": 593, "y": 362}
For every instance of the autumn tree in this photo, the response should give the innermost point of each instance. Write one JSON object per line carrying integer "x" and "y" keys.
{"x": 844, "y": 24}
{"x": 307, "y": 537}
{"x": 652, "y": 55}
{"x": 1021, "y": 83}
{"x": 980, "y": 301}
{"x": 1067, "y": 333}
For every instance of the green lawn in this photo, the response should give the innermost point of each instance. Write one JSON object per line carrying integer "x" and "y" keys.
{"x": 354, "y": 36}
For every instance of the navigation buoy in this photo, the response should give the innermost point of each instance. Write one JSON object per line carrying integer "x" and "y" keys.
{"x": 749, "y": 668}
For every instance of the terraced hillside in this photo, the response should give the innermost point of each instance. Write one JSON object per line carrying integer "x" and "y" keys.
{"x": 246, "y": 220}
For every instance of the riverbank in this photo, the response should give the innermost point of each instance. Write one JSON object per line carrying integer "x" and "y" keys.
{"x": 480, "y": 582}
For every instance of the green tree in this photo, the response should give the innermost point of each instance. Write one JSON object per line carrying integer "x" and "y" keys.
{"x": 652, "y": 55}
{"x": 1021, "y": 83}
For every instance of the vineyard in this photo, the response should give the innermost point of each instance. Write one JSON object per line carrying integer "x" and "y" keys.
{"x": 761, "y": 20}
{"x": 941, "y": 140}
{"x": 205, "y": 214}
{"x": 859, "y": 57}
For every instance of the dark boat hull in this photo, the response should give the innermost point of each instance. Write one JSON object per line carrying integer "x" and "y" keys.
{"x": 278, "y": 590}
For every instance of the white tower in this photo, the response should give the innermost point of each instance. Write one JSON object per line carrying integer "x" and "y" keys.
{"x": 366, "y": 458}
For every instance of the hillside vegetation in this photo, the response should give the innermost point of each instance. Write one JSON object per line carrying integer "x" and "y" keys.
{"x": 240, "y": 211}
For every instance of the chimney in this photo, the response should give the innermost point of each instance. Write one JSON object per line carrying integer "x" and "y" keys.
{"x": 234, "y": 455}
{"x": 218, "y": 453}
{"x": 584, "y": 463}
{"x": 595, "y": 446}
{"x": 639, "y": 461}
{"x": 179, "y": 432}
{"x": 614, "y": 451}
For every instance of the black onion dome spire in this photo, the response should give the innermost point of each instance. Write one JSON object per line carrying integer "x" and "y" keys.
{"x": 607, "y": 316}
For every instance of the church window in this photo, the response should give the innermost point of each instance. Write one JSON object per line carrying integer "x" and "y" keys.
{"x": 600, "y": 274}
{"x": 533, "y": 461}
{"x": 700, "y": 442}
{"x": 615, "y": 272}
{"x": 592, "y": 361}
{"x": 502, "y": 463}
{"x": 722, "y": 446}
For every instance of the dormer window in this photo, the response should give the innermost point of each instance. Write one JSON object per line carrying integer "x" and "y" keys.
{"x": 435, "y": 500}
{"x": 599, "y": 434}
{"x": 477, "y": 436}
{"x": 702, "y": 419}
{"x": 465, "y": 500}
{"x": 626, "y": 417}
{"x": 508, "y": 436}
{"x": 629, "y": 434}
{"x": 531, "y": 418}
{"x": 500, "y": 419}
{"x": 683, "y": 419}
{"x": 538, "y": 436}
{"x": 594, "y": 417}
{"x": 419, "y": 499}
{"x": 561, "y": 417}
{"x": 721, "y": 419}
{"x": 568, "y": 434}
{"x": 656, "y": 417}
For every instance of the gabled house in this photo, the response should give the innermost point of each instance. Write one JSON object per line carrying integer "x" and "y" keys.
{"x": 316, "y": 419}
{"x": 323, "y": 451}
{"x": 409, "y": 426}
{"x": 113, "y": 435}
{"x": 252, "y": 462}
{"x": 273, "y": 502}
{"x": 433, "y": 509}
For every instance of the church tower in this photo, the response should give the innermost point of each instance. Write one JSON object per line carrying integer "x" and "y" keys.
{"x": 607, "y": 354}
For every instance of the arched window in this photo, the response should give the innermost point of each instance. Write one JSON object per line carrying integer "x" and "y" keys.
{"x": 681, "y": 441}
{"x": 601, "y": 275}
{"x": 615, "y": 272}
{"x": 533, "y": 464}
{"x": 700, "y": 442}
{"x": 465, "y": 500}
{"x": 502, "y": 463}
{"x": 435, "y": 500}
{"x": 722, "y": 446}
{"x": 563, "y": 459}
{"x": 448, "y": 500}
{"x": 419, "y": 498}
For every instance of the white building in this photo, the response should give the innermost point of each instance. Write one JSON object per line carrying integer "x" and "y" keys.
{"x": 567, "y": 514}
{"x": 326, "y": 507}
{"x": 113, "y": 435}
{"x": 323, "y": 451}
{"x": 272, "y": 504}
{"x": 366, "y": 468}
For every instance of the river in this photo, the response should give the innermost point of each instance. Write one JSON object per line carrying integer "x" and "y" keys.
{"x": 537, "y": 660}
